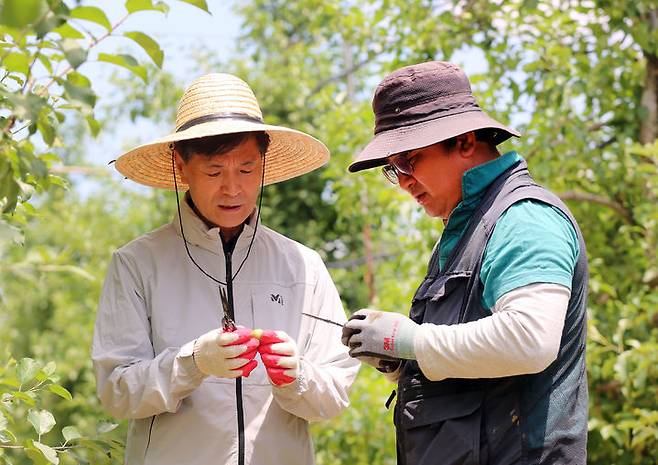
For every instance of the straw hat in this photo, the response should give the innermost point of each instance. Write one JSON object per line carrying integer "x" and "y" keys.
{"x": 217, "y": 104}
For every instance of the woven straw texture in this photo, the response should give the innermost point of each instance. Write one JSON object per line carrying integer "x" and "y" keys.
{"x": 291, "y": 153}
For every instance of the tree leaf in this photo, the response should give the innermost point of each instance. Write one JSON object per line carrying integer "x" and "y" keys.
{"x": 16, "y": 62}
{"x": 66, "y": 31}
{"x": 93, "y": 14}
{"x": 121, "y": 59}
{"x": 48, "y": 452}
{"x": 51, "y": 366}
{"x": 91, "y": 444}
{"x": 198, "y": 3}
{"x": 60, "y": 391}
{"x": 94, "y": 125}
{"x": 7, "y": 437}
{"x": 49, "y": 22}
{"x": 70, "y": 433}
{"x": 78, "y": 88}
{"x": 46, "y": 125}
{"x": 78, "y": 79}
{"x": 42, "y": 420}
{"x": 125, "y": 61}
{"x": 25, "y": 397}
{"x": 150, "y": 46}
{"x": 9, "y": 199}
{"x": 144, "y": 5}
{"x": 105, "y": 427}
{"x": 26, "y": 106}
{"x": 74, "y": 53}
{"x": 20, "y": 13}
{"x": 45, "y": 61}
{"x": 27, "y": 369}
{"x": 9, "y": 233}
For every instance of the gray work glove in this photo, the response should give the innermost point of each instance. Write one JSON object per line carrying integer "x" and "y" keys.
{"x": 384, "y": 335}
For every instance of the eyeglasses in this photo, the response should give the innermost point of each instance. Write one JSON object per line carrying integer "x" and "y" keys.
{"x": 397, "y": 164}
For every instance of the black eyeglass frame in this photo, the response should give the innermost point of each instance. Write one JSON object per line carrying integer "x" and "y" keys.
{"x": 398, "y": 164}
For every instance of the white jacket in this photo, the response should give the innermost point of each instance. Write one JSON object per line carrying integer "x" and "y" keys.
{"x": 155, "y": 302}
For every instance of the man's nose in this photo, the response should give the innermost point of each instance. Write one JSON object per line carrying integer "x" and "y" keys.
{"x": 231, "y": 185}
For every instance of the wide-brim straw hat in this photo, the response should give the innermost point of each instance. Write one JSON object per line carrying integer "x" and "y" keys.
{"x": 217, "y": 104}
{"x": 423, "y": 104}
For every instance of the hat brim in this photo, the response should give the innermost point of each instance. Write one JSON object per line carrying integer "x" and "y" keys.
{"x": 388, "y": 143}
{"x": 291, "y": 153}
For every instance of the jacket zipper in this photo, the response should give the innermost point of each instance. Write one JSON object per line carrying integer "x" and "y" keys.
{"x": 238, "y": 381}
{"x": 148, "y": 440}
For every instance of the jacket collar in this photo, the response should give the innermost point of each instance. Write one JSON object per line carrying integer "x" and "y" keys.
{"x": 476, "y": 180}
{"x": 197, "y": 232}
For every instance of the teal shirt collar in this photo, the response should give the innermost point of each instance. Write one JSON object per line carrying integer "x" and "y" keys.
{"x": 474, "y": 183}
{"x": 477, "y": 179}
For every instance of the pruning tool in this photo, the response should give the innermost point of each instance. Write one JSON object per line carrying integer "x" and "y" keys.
{"x": 227, "y": 322}
{"x": 323, "y": 319}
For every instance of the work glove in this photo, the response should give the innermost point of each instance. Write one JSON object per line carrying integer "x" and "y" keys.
{"x": 226, "y": 354}
{"x": 380, "y": 364}
{"x": 279, "y": 354}
{"x": 384, "y": 335}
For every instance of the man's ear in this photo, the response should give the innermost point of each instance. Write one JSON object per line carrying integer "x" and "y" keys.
{"x": 466, "y": 144}
{"x": 180, "y": 163}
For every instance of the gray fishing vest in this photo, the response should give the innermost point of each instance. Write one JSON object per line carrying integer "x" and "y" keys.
{"x": 529, "y": 419}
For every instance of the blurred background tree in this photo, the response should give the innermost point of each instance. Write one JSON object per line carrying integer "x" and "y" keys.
{"x": 50, "y": 277}
{"x": 579, "y": 78}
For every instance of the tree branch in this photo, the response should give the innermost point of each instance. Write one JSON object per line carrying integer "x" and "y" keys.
{"x": 92, "y": 44}
{"x": 70, "y": 169}
{"x": 586, "y": 197}
{"x": 341, "y": 264}
{"x": 338, "y": 77}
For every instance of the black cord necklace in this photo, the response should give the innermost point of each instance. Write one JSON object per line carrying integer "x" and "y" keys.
{"x": 180, "y": 222}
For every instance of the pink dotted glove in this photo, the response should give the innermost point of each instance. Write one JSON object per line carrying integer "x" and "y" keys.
{"x": 226, "y": 354}
{"x": 279, "y": 355}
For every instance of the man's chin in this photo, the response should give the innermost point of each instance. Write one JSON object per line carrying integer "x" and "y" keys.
{"x": 230, "y": 221}
{"x": 433, "y": 213}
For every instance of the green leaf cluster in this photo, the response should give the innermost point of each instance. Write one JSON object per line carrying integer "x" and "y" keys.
{"x": 25, "y": 386}
{"x": 44, "y": 46}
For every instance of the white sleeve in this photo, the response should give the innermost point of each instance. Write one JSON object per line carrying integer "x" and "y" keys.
{"x": 326, "y": 369}
{"x": 132, "y": 381}
{"x": 521, "y": 337}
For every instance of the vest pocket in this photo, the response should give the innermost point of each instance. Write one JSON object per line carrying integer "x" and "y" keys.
{"x": 441, "y": 286}
{"x": 434, "y": 292}
{"x": 441, "y": 429}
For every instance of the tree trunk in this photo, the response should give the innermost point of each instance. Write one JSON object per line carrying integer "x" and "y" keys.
{"x": 649, "y": 125}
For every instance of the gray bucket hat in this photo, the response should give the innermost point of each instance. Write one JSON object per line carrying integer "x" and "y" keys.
{"x": 420, "y": 105}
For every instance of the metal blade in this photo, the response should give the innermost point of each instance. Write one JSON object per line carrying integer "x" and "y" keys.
{"x": 323, "y": 319}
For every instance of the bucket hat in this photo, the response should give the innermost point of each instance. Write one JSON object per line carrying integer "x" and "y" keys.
{"x": 217, "y": 104}
{"x": 420, "y": 105}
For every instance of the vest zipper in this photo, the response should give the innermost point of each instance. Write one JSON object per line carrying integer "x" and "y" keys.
{"x": 238, "y": 381}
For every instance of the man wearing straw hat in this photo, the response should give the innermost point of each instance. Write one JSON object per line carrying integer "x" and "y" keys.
{"x": 207, "y": 335}
{"x": 490, "y": 363}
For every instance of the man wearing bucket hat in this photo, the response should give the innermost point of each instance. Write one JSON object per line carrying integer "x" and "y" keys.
{"x": 490, "y": 363}
{"x": 205, "y": 337}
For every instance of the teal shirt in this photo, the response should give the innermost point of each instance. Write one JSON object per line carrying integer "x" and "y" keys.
{"x": 532, "y": 242}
